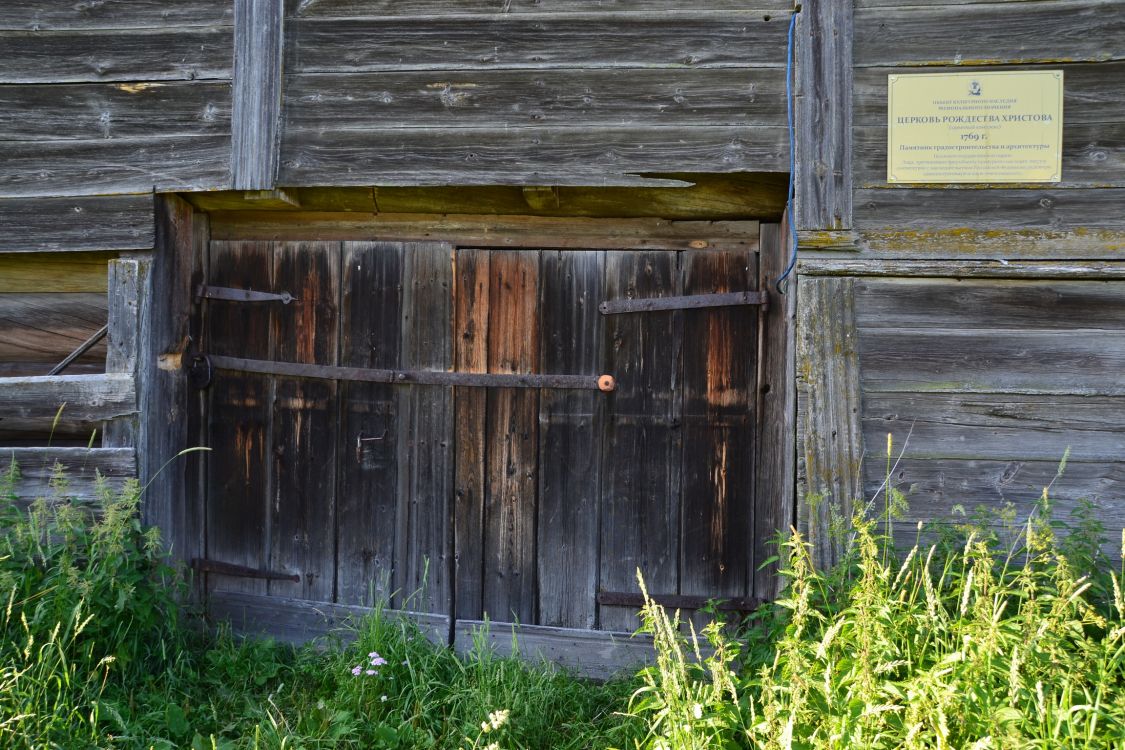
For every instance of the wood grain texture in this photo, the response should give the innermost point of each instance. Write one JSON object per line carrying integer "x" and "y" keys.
{"x": 119, "y": 165}
{"x": 535, "y": 98}
{"x": 664, "y": 39}
{"x": 488, "y": 231}
{"x": 125, "y": 110}
{"x": 128, "y": 283}
{"x": 512, "y": 440}
{"x": 470, "y": 326}
{"x": 78, "y": 469}
{"x": 257, "y": 87}
{"x": 976, "y": 34}
{"x": 37, "y": 331}
{"x": 424, "y": 537}
{"x": 775, "y": 475}
{"x": 297, "y": 621}
{"x": 526, "y": 156}
{"x": 33, "y": 402}
{"x": 140, "y": 54}
{"x": 35, "y": 15}
{"x": 370, "y": 314}
{"x": 823, "y": 116}
{"x": 942, "y": 360}
{"x": 122, "y": 222}
{"x": 829, "y": 410}
{"x": 304, "y": 422}
{"x": 961, "y": 269}
{"x": 570, "y": 436}
{"x": 961, "y": 244}
{"x": 591, "y": 654}
{"x": 350, "y": 8}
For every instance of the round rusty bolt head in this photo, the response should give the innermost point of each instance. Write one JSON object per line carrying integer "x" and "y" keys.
{"x": 606, "y": 383}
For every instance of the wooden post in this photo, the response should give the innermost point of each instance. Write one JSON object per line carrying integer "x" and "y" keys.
{"x": 128, "y": 290}
{"x": 256, "y": 105}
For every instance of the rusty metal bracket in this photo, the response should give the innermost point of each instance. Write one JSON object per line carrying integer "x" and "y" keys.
{"x": 241, "y": 295}
{"x": 694, "y": 301}
{"x": 677, "y": 601}
{"x": 604, "y": 383}
{"x": 201, "y": 565}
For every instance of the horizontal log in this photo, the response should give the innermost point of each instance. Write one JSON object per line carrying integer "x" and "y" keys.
{"x": 1079, "y": 362}
{"x": 961, "y": 245}
{"x": 959, "y": 269}
{"x": 1043, "y": 207}
{"x": 1090, "y": 91}
{"x": 359, "y": 8}
{"x": 536, "y": 98}
{"x": 488, "y": 231}
{"x": 116, "y": 55}
{"x": 959, "y": 34}
{"x": 660, "y": 39}
{"x": 591, "y": 653}
{"x": 298, "y": 621}
{"x": 120, "y": 165}
{"x": 1093, "y": 155}
{"x": 35, "y": 15}
{"x": 59, "y": 474}
{"x": 962, "y": 427}
{"x": 935, "y": 487}
{"x": 53, "y": 272}
{"x": 122, "y": 222}
{"x": 990, "y": 304}
{"x": 531, "y": 156}
{"x": 85, "y": 400}
{"x": 117, "y": 110}
{"x": 37, "y": 331}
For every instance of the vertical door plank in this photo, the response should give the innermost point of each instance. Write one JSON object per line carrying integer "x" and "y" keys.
{"x": 719, "y": 371}
{"x": 302, "y": 524}
{"x": 640, "y": 470}
{"x": 370, "y": 333}
{"x": 512, "y": 442}
{"x": 471, "y": 355}
{"x": 570, "y": 439}
{"x": 236, "y": 530}
{"x": 423, "y": 540}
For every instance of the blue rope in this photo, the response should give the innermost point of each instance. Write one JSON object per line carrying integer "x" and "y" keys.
{"x": 792, "y": 159}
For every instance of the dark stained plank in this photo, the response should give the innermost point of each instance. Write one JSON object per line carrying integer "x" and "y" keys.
{"x": 775, "y": 469}
{"x": 35, "y": 15}
{"x": 942, "y": 360}
{"x": 691, "y": 39}
{"x": 570, "y": 438}
{"x": 1090, "y": 93}
{"x": 123, "y": 222}
{"x": 470, "y": 340}
{"x": 823, "y": 116}
{"x": 370, "y": 315}
{"x": 257, "y": 88}
{"x": 718, "y": 386}
{"x": 119, "y": 165}
{"x": 152, "y": 54}
{"x": 1033, "y": 208}
{"x": 423, "y": 539}
{"x": 78, "y": 467}
{"x": 511, "y": 440}
{"x": 535, "y": 98}
{"x": 958, "y": 427}
{"x": 640, "y": 487}
{"x": 304, "y": 421}
{"x": 237, "y": 498}
{"x": 979, "y": 34}
{"x": 350, "y": 8}
{"x": 830, "y": 445}
{"x": 121, "y": 110}
{"x": 987, "y": 304}
{"x": 37, "y": 331}
{"x": 1093, "y": 155}
{"x": 32, "y": 403}
{"x": 527, "y": 156}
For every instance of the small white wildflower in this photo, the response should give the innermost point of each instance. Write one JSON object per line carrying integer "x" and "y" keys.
{"x": 697, "y": 711}
{"x": 383, "y": 698}
{"x": 497, "y": 719}
{"x": 370, "y": 672}
{"x": 357, "y": 669}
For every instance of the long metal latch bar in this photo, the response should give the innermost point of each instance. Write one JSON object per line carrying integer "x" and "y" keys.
{"x": 604, "y": 383}
{"x": 241, "y": 295}
{"x": 201, "y": 565}
{"x": 652, "y": 304}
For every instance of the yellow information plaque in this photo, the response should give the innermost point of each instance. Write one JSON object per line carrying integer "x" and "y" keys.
{"x": 975, "y": 127}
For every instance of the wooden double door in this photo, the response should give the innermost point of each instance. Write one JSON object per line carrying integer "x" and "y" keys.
{"x": 521, "y": 504}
